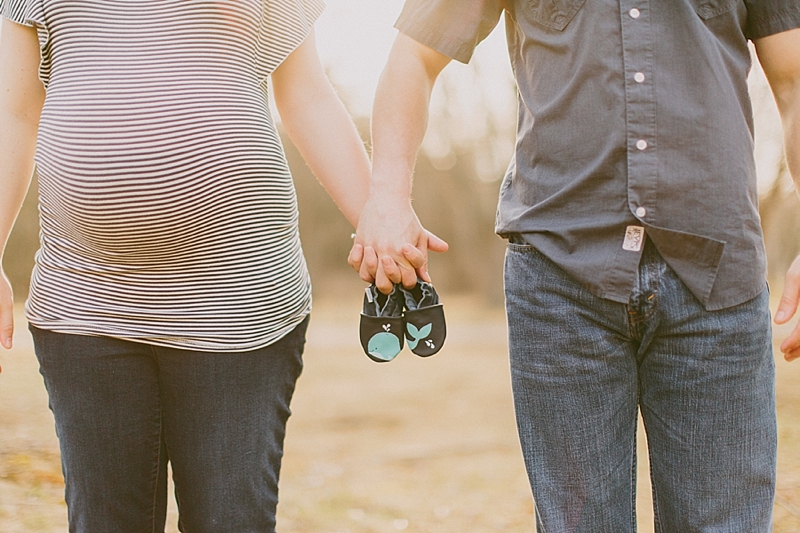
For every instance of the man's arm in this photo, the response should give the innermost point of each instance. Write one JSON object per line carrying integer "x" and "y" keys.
{"x": 779, "y": 55}
{"x": 21, "y": 100}
{"x": 318, "y": 124}
{"x": 391, "y": 244}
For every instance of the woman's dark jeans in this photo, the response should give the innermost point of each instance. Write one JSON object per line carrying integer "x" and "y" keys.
{"x": 123, "y": 409}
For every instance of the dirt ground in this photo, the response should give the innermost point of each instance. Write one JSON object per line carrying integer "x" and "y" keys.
{"x": 421, "y": 445}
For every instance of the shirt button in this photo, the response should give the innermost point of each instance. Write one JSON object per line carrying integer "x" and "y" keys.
{"x": 639, "y": 77}
{"x": 640, "y": 212}
{"x": 634, "y": 13}
{"x": 641, "y": 144}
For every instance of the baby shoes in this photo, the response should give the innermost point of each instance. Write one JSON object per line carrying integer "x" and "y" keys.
{"x": 384, "y": 324}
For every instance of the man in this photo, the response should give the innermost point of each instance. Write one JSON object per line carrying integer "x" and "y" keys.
{"x": 635, "y": 273}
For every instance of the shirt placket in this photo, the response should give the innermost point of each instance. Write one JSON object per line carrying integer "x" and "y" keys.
{"x": 640, "y": 108}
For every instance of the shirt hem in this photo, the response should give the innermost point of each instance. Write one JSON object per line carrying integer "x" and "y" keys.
{"x": 175, "y": 343}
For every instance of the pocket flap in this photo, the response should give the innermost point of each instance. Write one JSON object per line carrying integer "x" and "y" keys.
{"x": 554, "y": 14}
{"x": 711, "y": 8}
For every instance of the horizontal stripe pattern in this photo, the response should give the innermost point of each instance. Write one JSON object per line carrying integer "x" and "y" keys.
{"x": 167, "y": 208}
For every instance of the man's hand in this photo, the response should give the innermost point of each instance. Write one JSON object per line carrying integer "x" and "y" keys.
{"x": 391, "y": 245}
{"x": 787, "y": 309}
{"x": 779, "y": 55}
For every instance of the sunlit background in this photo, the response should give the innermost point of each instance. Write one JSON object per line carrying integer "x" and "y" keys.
{"x": 418, "y": 445}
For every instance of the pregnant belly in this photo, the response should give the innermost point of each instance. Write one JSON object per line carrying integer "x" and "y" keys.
{"x": 143, "y": 190}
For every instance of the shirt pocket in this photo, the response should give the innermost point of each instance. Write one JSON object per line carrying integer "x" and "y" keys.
{"x": 711, "y": 8}
{"x": 554, "y": 14}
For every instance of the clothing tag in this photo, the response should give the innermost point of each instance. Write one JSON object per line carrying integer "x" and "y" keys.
{"x": 634, "y": 238}
{"x": 369, "y": 294}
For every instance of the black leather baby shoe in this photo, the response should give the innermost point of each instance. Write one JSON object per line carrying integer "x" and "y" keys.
{"x": 381, "y": 328}
{"x": 425, "y": 328}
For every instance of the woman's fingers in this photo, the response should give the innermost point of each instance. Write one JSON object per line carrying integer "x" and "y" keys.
{"x": 356, "y": 256}
{"x": 369, "y": 265}
{"x": 383, "y": 281}
{"x": 6, "y": 313}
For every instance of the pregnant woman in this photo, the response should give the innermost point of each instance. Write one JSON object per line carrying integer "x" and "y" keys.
{"x": 170, "y": 296}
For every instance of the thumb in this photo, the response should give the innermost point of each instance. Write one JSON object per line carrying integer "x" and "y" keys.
{"x": 791, "y": 293}
{"x": 435, "y": 244}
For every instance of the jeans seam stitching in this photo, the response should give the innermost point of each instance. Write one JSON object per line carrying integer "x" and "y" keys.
{"x": 654, "y": 492}
{"x": 158, "y": 469}
{"x": 154, "y": 353}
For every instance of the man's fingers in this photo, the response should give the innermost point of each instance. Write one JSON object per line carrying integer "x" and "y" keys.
{"x": 792, "y": 343}
{"x": 787, "y": 307}
{"x": 356, "y": 257}
{"x": 414, "y": 256}
{"x": 791, "y": 293}
{"x": 791, "y": 354}
{"x": 419, "y": 261}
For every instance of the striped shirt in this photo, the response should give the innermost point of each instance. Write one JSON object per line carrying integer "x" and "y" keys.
{"x": 168, "y": 213}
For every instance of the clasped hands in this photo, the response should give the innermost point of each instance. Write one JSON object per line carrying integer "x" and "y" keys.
{"x": 391, "y": 246}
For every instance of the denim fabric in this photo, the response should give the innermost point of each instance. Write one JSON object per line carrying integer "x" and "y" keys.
{"x": 582, "y": 367}
{"x": 122, "y": 409}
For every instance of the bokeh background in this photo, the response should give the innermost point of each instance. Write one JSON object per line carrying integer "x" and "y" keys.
{"x": 418, "y": 445}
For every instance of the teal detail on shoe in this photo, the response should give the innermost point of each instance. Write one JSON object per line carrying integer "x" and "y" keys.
{"x": 383, "y": 346}
{"x": 417, "y": 334}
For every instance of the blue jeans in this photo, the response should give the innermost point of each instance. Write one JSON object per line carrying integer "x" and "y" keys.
{"x": 582, "y": 368}
{"x": 123, "y": 409}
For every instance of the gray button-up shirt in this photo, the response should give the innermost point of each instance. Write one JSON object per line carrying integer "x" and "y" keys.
{"x": 634, "y": 121}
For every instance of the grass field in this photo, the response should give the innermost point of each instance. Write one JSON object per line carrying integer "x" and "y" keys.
{"x": 416, "y": 445}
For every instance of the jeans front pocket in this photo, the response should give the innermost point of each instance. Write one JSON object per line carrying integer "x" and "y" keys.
{"x": 554, "y": 14}
{"x": 707, "y": 9}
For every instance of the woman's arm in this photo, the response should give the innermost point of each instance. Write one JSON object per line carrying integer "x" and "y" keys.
{"x": 21, "y": 100}
{"x": 779, "y": 55}
{"x": 318, "y": 124}
{"x": 320, "y": 127}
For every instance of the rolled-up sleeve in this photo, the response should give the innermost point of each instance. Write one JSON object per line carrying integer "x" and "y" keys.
{"x": 451, "y": 27}
{"x": 768, "y": 17}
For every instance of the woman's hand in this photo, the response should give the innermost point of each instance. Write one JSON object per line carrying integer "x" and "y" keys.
{"x": 21, "y": 99}
{"x": 6, "y": 313}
